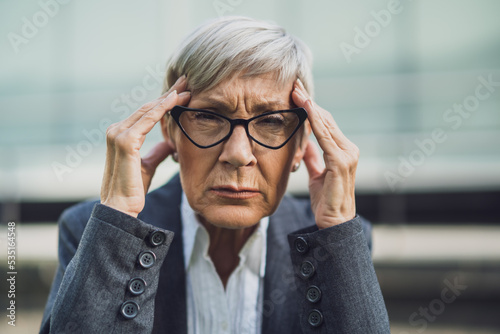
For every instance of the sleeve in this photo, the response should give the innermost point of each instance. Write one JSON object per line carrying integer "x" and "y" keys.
{"x": 107, "y": 282}
{"x": 339, "y": 291}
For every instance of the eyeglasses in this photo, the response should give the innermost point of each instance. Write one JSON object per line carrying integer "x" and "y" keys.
{"x": 206, "y": 128}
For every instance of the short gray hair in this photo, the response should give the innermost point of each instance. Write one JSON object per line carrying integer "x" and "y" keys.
{"x": 222, "y": 47}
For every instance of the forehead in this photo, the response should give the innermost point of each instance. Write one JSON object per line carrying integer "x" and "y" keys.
{"x": 254, "y": 94}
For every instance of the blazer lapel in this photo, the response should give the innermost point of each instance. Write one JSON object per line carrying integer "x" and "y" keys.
{"x": 280, "y": 306}
{"x": 162, "y": 209}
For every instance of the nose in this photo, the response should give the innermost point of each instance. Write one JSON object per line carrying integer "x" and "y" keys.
{"x": 237, "y": 149}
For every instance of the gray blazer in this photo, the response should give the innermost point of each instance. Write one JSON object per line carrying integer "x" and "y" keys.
{"x": 316, "y": 281}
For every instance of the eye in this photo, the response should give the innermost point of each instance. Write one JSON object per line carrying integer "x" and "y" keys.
{"x": 206, "y": 117}
{"x": 274, "y": 119}
{"x": 202, "y": 115}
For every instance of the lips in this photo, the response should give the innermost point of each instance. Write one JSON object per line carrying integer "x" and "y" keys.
{"x": 233, "y": 192}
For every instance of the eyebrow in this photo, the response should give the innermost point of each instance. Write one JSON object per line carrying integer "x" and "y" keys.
{"x": 256, "y": 107}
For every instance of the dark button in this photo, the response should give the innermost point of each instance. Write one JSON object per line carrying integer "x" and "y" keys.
{"x": 301, "y": 245}
{"x": 306, "y": 269}
{"x": 156, "y": 238}
{"x": 129, "y": 309}
{"x": 315, "y": 318}
{"x": 313, "y": 294}
{"x": 147, "y": 259}
{"x": 137, "y": 286}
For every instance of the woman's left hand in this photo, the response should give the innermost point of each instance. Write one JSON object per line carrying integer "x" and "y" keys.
{"x": 331, "y": 185}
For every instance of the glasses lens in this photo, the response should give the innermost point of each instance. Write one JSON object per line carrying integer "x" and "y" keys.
{"x": 204, "y": 128}
{"x": 274, "y": 129}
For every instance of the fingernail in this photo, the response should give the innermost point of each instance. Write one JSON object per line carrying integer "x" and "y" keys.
{"x": 180, "y": 79}
{"x": 301, "y": 85}
{"x": 185, "y": 93}
{"x": 301, "y": 94}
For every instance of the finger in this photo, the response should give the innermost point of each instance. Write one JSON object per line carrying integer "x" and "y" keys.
{"x": 150, "y": 161}
{"x": 313, "y": 160}
{"x": 149, "y": 119}
{"x": 180, "y": 85}
{"x": 183, "y": 98}
{"x": 324, "y": 126}
{"x": 325, "y": 139}
{"x": 111, "y": 133}
{"x": 108, "y": 169}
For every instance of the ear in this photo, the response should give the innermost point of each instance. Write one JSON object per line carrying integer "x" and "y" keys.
{"x": 304, "y": 139}
{"x": 167, "y": 130}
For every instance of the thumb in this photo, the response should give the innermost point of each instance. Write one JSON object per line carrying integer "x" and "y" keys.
{"x": 312, "y": 159}
{"x": 152, "y": 159}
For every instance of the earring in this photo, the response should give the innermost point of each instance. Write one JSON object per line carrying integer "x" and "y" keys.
{"x": 175, "y": 156}
{"x": 296, "y": 166}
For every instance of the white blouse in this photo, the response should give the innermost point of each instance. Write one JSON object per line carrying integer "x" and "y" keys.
{"x": 210, "y": 308}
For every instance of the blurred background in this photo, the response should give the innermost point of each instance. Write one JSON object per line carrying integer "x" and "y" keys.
{"x": 415, "y": 84}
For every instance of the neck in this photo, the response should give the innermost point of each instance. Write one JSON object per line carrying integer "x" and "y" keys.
{"x": 225, "y": 245}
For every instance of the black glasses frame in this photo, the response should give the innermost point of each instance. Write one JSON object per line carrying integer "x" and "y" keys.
{"x": 178, "y": 110}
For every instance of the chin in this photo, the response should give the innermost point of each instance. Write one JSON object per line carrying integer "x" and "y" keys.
{"x": 232, "y": 216}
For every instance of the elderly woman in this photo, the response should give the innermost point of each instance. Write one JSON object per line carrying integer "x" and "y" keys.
{"x": 220, "y": 248}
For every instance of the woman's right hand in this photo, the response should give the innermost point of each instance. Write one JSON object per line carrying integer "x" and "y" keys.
{"x": 127, "y": 177}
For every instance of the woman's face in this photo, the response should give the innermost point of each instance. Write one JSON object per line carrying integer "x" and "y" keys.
{"x": 236, "y": 183}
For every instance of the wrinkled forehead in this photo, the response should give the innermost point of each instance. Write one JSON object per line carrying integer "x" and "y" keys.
{"x": 252, "y": 93}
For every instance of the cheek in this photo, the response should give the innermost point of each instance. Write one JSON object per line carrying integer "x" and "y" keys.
{"x": 196, "y": 170}
{"x": 276, "y": 167}
{"x": 195, "y": 162}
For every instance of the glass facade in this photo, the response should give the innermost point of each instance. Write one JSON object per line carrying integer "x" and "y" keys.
{"x": 401, "y": 78}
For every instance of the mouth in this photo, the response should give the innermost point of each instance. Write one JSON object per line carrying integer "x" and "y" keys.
{"x": 232, "y": 192}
